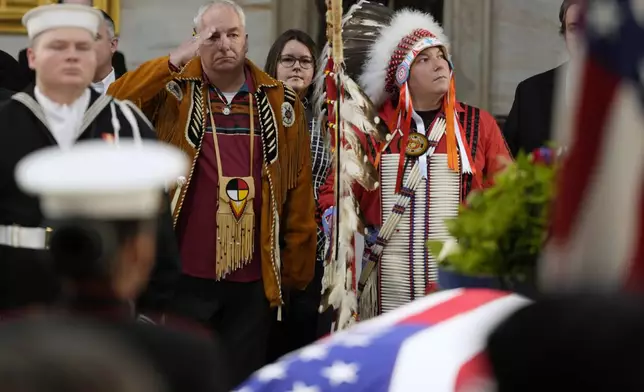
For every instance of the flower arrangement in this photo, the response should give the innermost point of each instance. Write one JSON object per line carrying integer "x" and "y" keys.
{"x": 501, "y": 230}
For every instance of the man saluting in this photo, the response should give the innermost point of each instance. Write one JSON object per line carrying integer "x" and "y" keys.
{"x": 244, "y": 214}
{"x": 59, "y": 110}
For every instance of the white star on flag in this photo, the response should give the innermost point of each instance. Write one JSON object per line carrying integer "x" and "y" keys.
{"x": 301, "y": 387}
{"x": 353, "y": 340}
{"x": 341, "y": 373}
{"x": 275, "y": 371}
{"x": 314, "y": 352}
{"x": 605, "y": 17}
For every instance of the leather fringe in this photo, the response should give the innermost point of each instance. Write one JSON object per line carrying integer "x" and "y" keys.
{"x": 232, "y": 255}
{"x": 368, "y": 302}
{"x": 166, "y": 125}
{"x": 296, "y": 155}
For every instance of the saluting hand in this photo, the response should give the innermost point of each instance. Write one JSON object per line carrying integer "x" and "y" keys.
{"x": 189, "y": 49}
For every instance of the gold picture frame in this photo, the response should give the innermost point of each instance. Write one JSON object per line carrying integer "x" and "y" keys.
{"x": 11, "y": 12}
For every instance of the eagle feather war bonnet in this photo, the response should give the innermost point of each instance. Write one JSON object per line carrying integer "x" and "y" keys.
{"x": 386, "y": 72}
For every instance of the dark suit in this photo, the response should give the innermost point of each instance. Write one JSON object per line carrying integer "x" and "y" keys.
{"x": 12, "y": 75}
{"x": 118, "y": 62}
{"x": 529, "y": 123}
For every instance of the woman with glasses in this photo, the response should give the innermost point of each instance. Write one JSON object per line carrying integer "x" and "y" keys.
{"x": 293, "y": 60}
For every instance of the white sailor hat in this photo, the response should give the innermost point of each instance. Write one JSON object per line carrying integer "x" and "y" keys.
{"x": 102, "y": 181}
{"x": 55, "y": 16}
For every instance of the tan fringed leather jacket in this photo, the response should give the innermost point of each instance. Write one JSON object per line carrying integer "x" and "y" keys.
{"x": 174, "y": 102}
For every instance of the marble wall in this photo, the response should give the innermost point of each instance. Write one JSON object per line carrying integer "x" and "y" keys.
{"x": 498, "y": 43}
{"x": 495, "y": 43}
{"x": 152, "y": 28}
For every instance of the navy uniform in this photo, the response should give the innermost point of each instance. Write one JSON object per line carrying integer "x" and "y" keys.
{"x": 5, "y": 94}
{"x": 103, "y": 212}
{"x": 33, "y": 121}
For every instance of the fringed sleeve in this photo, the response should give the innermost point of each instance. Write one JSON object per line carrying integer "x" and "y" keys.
{"x": 298, "y": 227}
{"x": 144, "y": 84}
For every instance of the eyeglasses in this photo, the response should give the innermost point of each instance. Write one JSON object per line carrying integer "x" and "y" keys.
{"x": 289, "y": 62}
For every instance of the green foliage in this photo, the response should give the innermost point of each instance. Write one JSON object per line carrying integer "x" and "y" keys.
{"x": 501, "y": 230}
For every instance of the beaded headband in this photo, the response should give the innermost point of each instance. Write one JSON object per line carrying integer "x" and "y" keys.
{"x": 405, "y": 54}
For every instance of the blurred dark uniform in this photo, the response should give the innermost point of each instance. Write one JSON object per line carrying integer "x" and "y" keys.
{"x": 582, "y": 342}
{"x": 5, "y": 94}
{"x": 188, "y": 362}
{"x": 70, "y": 356}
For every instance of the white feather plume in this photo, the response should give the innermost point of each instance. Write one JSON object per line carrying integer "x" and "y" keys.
{"x": 354, "y": 169}
{"x": 360, "y": 112}
{"x": 348, "y": 308}
{"x": 375, "y": 68}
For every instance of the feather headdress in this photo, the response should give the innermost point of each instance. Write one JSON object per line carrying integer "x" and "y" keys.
{"x": 387, "y": 69}
{"x": 345, "y": 110}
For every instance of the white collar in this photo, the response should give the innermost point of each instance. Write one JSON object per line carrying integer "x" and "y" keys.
{"x": 104, "y": 84}
{"x": 47, "y": 103}
{"x": 64, "y": 121}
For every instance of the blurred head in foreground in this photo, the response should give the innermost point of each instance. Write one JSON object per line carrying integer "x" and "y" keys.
{"x": 103, "y": 210}
{"x": 574, "y": 343}
{"x": 49, "y": 355}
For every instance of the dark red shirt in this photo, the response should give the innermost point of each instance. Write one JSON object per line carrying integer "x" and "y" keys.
{"x": 197, "y": 225}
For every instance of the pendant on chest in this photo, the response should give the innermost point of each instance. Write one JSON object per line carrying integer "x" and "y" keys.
{"x": 238, "y": 192}
{"x": 417, "y": 145}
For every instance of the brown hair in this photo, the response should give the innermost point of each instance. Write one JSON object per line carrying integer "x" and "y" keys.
{"x": 563, "y": 10}
{"x": 274, "y": 54}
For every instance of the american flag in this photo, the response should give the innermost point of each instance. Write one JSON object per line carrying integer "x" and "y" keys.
{"x": 598, "y": 231}
{"x": 433, "y": 344}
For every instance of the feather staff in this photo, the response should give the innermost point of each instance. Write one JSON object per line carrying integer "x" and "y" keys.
{"x": 339, "y": 278}
{"x": 350, "y": 118}
{"x": 337, "y": 55}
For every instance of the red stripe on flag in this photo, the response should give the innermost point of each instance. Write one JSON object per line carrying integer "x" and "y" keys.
{"x": 473, "y": 371}
{"x": 598, "y": 90}
{"x": 468, "y": 300}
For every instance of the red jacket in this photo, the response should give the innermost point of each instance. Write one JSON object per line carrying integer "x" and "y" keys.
{"x": 482, "y": 135}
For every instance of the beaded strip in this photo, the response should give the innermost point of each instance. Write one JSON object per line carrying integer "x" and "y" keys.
{"x": 370, "y": 259}
{"x": 411, "y": 247}
{"x": 405, "y": 45}
{"x": 426, "y": 251}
